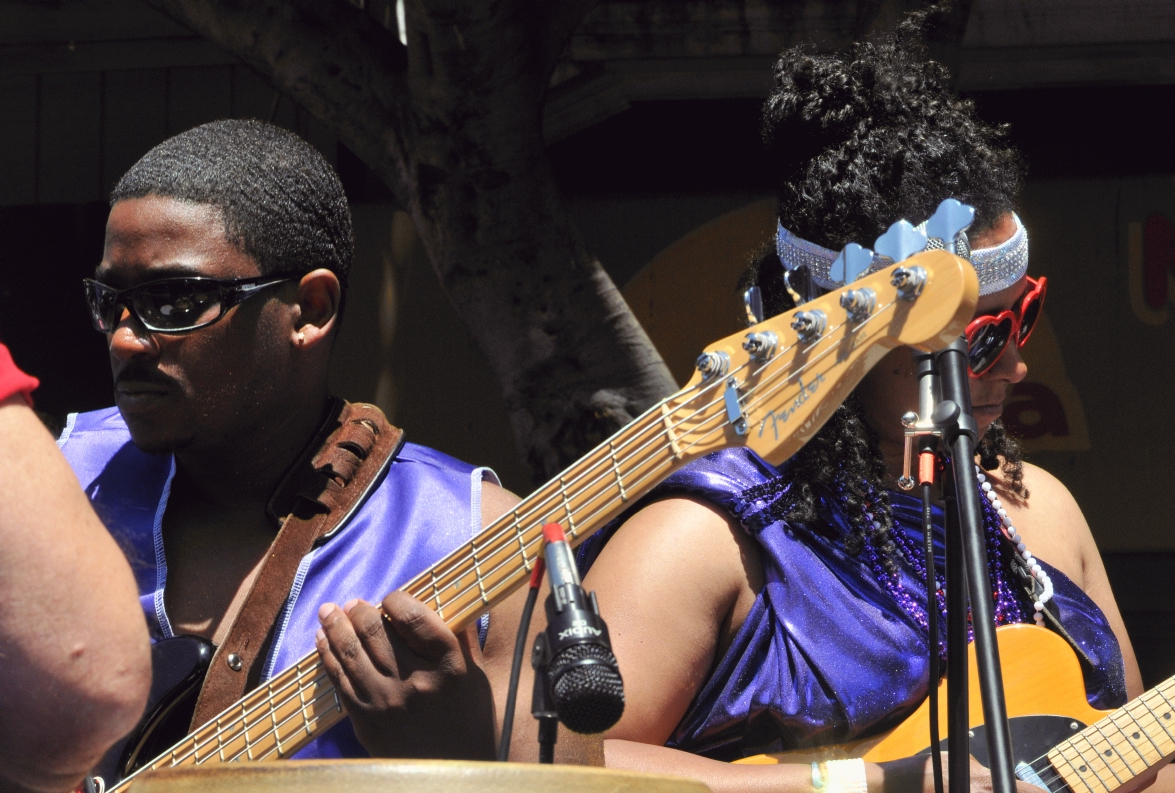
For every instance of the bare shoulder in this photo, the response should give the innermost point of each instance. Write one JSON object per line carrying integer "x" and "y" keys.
{"x": 675, "y": 581}
{"x": 1047, "y": 494}
{"x": 694, "y": 537}
{"x": 495, "y": 502}
{"x": 1050, "y": 521}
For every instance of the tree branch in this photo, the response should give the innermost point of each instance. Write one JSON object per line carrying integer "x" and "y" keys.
{"x": 454, "y": 126}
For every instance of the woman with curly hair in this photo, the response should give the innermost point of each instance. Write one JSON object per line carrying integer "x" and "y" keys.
{"x": 761, "y": 609}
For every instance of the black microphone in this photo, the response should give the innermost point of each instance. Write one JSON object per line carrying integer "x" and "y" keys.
{"x": 585, "y": 684}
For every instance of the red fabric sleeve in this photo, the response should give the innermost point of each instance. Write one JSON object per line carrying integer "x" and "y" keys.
{"x": 13, "y": 380}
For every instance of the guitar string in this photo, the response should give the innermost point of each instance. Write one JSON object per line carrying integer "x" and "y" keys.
{"x": 1129, "y": 743}
{"x": 218, "y": 735}
{"x": 277, "y": 731}
{"x": 424, "y": 585}
{"x": 298, "y": 678}
{"x": 500, "y": 584}
{"x": 538, "y": 507}
{"x": 638, "y": 482}
{"x": 1137, "y": 723}
{"x": 793, "y": 375}
{"x": 298, "y": 681}
{"x": 306, "y": 722}
{"x": 250, "y": 742}
{"x": 1059, "y": 749}
{"x": 1055, "y": 774}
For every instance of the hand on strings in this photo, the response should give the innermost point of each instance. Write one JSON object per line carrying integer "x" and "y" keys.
{"x": 411, "y": 686}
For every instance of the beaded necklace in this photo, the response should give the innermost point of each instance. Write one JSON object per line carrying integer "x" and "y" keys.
{"x": 998, "y": 534}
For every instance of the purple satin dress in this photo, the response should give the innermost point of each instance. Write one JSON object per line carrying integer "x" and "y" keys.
{"x": 427, "y": 505}
{"x": 826, "y": 655}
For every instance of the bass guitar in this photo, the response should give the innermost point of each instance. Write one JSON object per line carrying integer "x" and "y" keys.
{"x": 769, "y": 388}
{"x": 1059, "y": 742}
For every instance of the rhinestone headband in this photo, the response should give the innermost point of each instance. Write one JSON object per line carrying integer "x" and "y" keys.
{"x": 998, "y": 267}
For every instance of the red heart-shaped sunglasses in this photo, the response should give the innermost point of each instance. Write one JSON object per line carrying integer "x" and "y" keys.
{"x": 988, "y": 336}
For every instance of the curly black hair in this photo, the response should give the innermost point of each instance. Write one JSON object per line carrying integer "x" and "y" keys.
{"x": 859, "y": 140}
{"x": 281, "y": 201}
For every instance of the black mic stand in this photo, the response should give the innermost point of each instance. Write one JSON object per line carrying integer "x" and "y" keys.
{"x": 944, "y": 404}
{"x": 967, "y": 574}
{"x": 541, "y": 706}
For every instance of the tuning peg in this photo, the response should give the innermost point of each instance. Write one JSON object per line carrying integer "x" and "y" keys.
{"x": 948, "y": 220}
{"x": 809, "y": 325}
{"x": 858, "y": 303}
{"x": 796, "y": 297}
{"x": 900, "y": 241}
{"x": 851, "y": 263}
{"x": 753, "y": 303}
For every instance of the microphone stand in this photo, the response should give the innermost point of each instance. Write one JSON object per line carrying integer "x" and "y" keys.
{"x": 541, "y": 706}
{"x": 944, "y": 411}
{"x": 967, "y": 575}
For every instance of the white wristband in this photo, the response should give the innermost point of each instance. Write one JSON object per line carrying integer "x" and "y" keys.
{"x": 845, "y": 776}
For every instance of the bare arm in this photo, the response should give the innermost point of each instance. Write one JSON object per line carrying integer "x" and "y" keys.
{"x": 667, "y": 584}
{"x": 74, "y": 656}
{"x": 674, "y": 585}
{"x": 1056, "y": 530}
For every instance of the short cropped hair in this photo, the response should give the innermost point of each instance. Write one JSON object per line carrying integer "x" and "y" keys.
{"x": 282, "y": 203}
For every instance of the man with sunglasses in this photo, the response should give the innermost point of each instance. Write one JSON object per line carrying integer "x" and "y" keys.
{"x": 755, "y": 608}
{"x": 220, "y": 293}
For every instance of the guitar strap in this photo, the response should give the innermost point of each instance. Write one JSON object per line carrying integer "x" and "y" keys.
{"x": 1051, "y": 612}
{"x": 324, "y": 488}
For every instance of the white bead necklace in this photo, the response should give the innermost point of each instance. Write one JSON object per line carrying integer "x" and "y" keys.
{"x": 1009, "y": 531}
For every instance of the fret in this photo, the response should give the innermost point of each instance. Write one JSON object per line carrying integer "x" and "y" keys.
{"x": 1067, "y": 778}
{"x": 1128, "y": 736}
{"x": 567, "y": 508}
{"x": 667, "y": 420}
{"x": 1146, "y": 730}
{"x": 436, "y": 594}
{"x": 1087, "y": 763}
{"x": 526, "y": 563}
{"x": 616, "y": 471}
{"x": 1155, "y": 716}
{"x": 302, "y": 709}
{"x": 1134, "y": 733}
{"x": 1112, "y": 753}
{"x": 1166, "y": 701}
{"x": 219, "y": 738}
{"x": 477, "y": 570}
{"x": 277, "y": 736}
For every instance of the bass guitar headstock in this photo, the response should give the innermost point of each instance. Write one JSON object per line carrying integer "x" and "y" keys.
{"x": 773, "y": 386}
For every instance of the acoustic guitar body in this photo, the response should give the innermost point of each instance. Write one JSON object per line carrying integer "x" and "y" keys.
{"x": 1043, "y": 688}
{"x": 178, "y": 666}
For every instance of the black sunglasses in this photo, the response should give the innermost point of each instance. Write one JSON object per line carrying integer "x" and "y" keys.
{"x": 173, "y": 305}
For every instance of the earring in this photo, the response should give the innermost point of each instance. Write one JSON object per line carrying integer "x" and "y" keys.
{"x": 301, "y": 337}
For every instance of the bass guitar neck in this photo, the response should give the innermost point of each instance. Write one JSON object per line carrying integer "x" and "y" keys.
{"x": 769, "y": 389}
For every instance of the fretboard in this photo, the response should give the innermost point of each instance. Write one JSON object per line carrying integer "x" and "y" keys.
{"x": 771, "y": 403}
{"x": 280, "y": 717}
{"x": 1121, "y": 746}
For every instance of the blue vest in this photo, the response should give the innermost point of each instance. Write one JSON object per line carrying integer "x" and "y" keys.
{"x": 427, "y": 505}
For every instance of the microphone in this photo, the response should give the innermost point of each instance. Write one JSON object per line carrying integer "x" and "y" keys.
{"x": 585, "y": 684}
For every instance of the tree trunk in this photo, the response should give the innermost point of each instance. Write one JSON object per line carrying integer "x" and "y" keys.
{"x": 453, "y": 124}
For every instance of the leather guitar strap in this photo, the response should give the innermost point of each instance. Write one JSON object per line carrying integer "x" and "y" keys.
{"x": 339, "y": 468}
